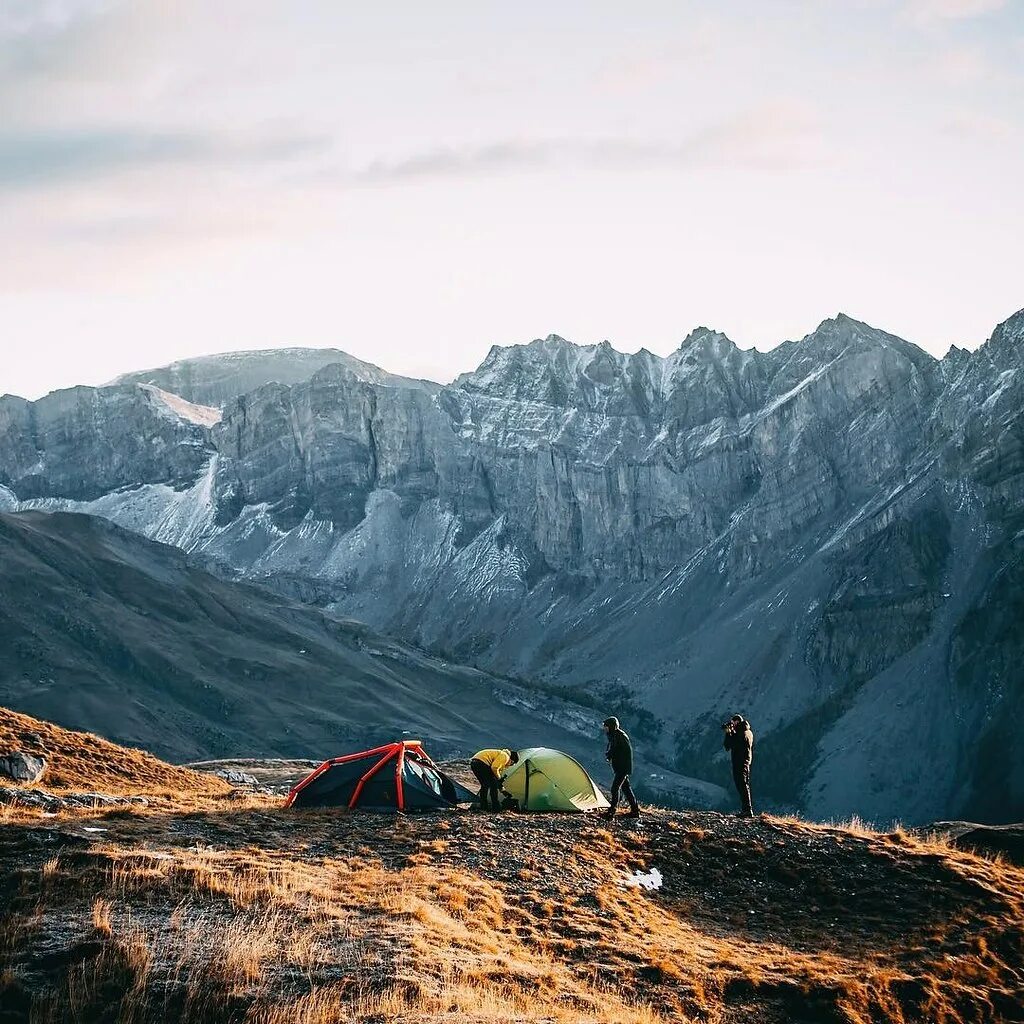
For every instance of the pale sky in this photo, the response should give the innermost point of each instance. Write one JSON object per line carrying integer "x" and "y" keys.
{"x": 416, "y": 181}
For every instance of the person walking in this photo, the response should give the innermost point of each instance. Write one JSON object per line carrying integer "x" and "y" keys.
{"x": 487, "y": 766}
{"x": 620, "y": 754}
{"x": 739, "y": 741}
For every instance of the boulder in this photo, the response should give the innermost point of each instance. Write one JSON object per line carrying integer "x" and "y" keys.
{"x": 52, "y": 803}
{"x": 22, "y": 767}
{"x": 987, "y": 840}
{"x": 237, "y": 778}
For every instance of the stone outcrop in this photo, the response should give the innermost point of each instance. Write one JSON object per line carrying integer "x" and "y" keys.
{"x": 1006, "y": 841}
{"x": 53, "y": 803}
{"x": 21, "y": 767}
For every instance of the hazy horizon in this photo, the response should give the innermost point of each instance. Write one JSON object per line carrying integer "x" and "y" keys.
{"x": 413, "y": 184}
{"x": 130, "y": 369}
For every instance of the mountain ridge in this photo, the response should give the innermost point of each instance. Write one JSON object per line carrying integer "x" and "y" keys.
{"x": 578, "y": 516}
{"x": 219, "y": 377}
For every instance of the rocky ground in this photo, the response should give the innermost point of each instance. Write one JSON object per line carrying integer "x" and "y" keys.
{"x": 210, "y": 903}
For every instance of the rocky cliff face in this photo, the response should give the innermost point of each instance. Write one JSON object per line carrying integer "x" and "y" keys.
{"x": 85, "y": 442}
{"x": 826, "y": 535}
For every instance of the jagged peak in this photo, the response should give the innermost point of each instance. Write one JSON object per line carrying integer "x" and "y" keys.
{"x": 843, "y": 322}
{"x": 553, "y": 347}
{"x": 844, "y": 329}
{"x": 1009, "y": 335}
{"x": 707, "y": 339}
{"x": 700, "y": 333}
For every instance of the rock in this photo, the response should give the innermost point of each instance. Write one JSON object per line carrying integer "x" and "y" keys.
{"x": 237, "y": 778}
{"x": 988, "y": 840}
{"x": 53, "y": 802}
{"x": 29, "y": 798}
{"x": 120, "y": 438}
{"x": 22, "y": 767}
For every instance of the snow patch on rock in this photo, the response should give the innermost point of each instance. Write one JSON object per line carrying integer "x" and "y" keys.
{"x": 178, "y": 407}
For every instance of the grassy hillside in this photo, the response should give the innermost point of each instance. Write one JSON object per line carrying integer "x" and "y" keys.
{"x": 209, "y": 909}
{"x": 81, "y": 761}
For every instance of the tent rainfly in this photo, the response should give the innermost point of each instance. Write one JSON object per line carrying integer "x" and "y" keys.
{"x": 548, "y": 780}
{"x": 397, "y": 776}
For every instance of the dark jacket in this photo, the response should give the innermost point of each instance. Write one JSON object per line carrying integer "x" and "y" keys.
{"x": 620, "y": 752}
{"x": 739, "y": 741}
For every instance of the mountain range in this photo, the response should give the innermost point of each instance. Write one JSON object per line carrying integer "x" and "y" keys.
{"x": 826, "y": 536}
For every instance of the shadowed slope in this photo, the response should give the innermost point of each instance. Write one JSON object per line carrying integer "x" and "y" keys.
{"x": 104, "y": 630}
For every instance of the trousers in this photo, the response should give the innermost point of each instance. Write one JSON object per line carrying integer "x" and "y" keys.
{"x": 621, "y": 784}
{"x": 741, "y": 777}
{"x": 489, "y": 784}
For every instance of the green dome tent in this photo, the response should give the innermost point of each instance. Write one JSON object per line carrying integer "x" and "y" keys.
{"x": 548, "y": 780}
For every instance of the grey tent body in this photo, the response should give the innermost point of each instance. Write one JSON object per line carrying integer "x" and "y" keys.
{"x": 398, "y": 776}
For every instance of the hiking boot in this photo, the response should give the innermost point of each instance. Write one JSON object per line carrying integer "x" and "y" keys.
{"x": 608, "y": 814}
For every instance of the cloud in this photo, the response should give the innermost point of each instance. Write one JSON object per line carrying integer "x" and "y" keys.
{"x": 929, "y": 12}
{"x": 34, "y": 159}
{"x": 774, "y": 135}
{"x": 23, "y": 18}
{"x": 980, "y": 125}
{"x": 963, "y": 66}
{"x": 44, "y": 43}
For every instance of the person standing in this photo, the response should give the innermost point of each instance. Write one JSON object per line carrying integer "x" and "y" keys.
{"x": 487, "y": 766}
{"x": 620, "y": 754}
{"x": 739, "y": 741}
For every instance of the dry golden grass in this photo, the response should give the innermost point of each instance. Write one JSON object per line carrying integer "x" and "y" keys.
{"x": 101, "y": 919}
{"x": 351, "y": 938}
{"x": 82, "y": 762}
{"x": 416, "y": 943}
{"x": 202, "y": 910}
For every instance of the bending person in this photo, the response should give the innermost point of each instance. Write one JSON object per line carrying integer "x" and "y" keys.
{"x": 488, "y": 766}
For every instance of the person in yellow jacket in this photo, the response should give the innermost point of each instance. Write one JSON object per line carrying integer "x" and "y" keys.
{"x": 488, "y": 766}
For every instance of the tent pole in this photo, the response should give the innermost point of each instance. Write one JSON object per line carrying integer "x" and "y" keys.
{"x": 399, "y": 769}
{"x": 305, "y": 782}
{"x": 373, "y": 771}
{"x": 327, "y": 764}
{"x": 362, "y": 753}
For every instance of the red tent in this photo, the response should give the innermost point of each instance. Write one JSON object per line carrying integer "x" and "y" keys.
{"x": 397, "y": 776}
